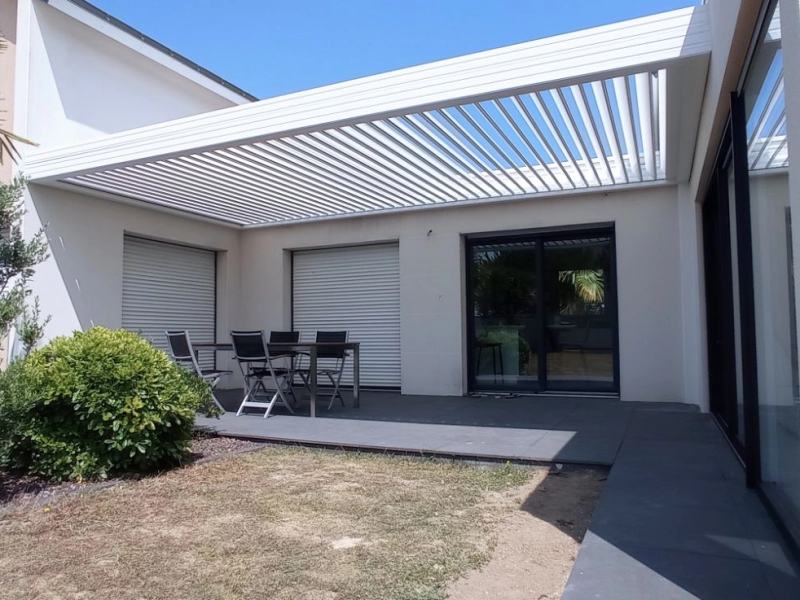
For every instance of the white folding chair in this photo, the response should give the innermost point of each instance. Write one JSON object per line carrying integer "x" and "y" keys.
{"x": 252, "y": 353}
{"x": 182, "y": 352}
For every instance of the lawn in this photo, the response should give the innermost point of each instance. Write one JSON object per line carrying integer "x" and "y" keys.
{"x": 287, "y": 523}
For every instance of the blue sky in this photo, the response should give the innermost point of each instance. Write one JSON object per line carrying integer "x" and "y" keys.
{"x": 271, "y": 47}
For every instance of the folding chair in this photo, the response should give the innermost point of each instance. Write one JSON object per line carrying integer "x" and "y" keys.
{"x": 181, "y": 351}
{"x": 278, "y": 353}
{"x": 333, "y": 360}
{"x": 252, "y": 353}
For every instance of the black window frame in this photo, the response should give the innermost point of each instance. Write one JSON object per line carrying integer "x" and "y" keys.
{"x": 540, "y": 236}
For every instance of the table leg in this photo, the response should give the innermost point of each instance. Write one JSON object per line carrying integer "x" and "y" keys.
{"x": 356, "y": 376}
{"x": 312, "y": 379}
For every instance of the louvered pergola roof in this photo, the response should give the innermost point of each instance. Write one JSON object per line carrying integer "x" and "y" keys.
{"x": 610, "y": 107}
{"x": 767, "y": 140}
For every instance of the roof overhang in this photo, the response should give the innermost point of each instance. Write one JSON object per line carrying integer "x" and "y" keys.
{"x": 608, "y": 107}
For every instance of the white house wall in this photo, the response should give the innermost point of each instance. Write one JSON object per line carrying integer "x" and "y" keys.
{"x": 75, "y": 83}
{"x": 432, "y": 289}
{"x": 81, "y": 284}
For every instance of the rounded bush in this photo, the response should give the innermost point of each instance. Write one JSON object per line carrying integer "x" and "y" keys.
{"x": 97, "y": 403}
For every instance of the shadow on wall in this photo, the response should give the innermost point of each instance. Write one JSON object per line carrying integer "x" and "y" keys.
{"x": 83, "y": 62}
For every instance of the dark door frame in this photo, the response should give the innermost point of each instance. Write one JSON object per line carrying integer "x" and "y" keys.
{"x": 539, "y": 237}
{"x": 718, "y": 257}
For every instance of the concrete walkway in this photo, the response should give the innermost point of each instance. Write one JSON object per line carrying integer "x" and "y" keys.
{"x": 674, "y": 522}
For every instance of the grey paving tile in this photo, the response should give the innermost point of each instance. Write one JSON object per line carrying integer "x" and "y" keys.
{"x": 704, "y": 460}
{"x": 669, "y": 488}
{"x": 629, "y": 522}
{"x": 665, "y": 407}
{"x": 673, "y": 426}
{"x": 600, "y": 426}
{"x": 780, "y": 569}
{"x": 603, "y": 571}
{"x": 509, "y": 450}
{"x": 574, "y": 447}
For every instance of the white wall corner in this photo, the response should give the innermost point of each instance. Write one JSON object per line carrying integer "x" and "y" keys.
{"x": 693, "y": 323}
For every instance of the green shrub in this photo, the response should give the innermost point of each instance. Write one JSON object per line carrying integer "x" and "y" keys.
{"x": 97, "y": 403}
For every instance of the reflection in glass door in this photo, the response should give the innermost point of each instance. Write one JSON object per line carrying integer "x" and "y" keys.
{"x": 579, "y": 328}
{"x": 543, "y": 313}
{"x": 504, "y": 286}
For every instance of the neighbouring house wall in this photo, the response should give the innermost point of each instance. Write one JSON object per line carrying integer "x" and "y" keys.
{"x": 81, "y": 285}
{"x": 83, "y": 84}
{"x": 8, "y": 57}
{"x": 8, "y": 33}
{"x": 432, "y": 286}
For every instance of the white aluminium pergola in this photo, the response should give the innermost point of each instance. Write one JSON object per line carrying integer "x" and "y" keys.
{"x": 609, "y": 107}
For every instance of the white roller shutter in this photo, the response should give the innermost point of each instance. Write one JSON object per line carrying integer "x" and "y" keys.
{"x": 358, "y": 289}
{"x": 167, "y": 286}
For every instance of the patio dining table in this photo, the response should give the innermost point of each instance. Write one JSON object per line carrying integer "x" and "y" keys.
{"x": 312, "y": 349}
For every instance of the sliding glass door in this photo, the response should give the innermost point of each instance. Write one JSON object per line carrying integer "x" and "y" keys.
{"x": 543, "y": 313}
{"x": 579, "y": 325}
{"x": 505, "y": 323}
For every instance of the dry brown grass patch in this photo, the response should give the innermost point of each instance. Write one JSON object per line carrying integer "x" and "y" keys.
{"x": 283, "y": 523}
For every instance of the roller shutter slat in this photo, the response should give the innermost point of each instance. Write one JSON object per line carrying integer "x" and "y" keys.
{"x": 167, "y": 286}
{"x": 357, "y": 289}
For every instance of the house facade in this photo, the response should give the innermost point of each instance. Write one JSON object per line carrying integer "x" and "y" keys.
{"x": 606, "y": 212}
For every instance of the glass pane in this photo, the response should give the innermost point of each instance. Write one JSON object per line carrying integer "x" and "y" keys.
{"x": 737, "y": 323}
{"x": 773, "y": 267}
{"x": 505, "y": 315}
{"x": 579, "y": 325}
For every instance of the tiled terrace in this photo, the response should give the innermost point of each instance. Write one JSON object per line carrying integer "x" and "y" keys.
{"x": 674, "y": 522}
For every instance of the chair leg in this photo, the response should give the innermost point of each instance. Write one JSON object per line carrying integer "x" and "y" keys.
{"x": 336, "y": 391}
{"x": 290, "y": 390}
{"x": 216, "y": 401}
{"x": 303, "y": 377}
{"x": 279, "y": 392}
{"x": 250, "y": 389}
{"x": 214, "y": 398}
{"x": 271, "y": 402}
{"x": 279, "y": 383}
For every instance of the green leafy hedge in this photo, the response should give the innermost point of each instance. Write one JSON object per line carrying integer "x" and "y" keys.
{"x": 97, "y": 403}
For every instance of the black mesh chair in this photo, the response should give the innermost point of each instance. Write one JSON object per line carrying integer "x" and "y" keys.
{"x": 181, "y": 351}
{"x": 252, "y": 353}
{"x": 330, "y": 361}
{"x": 289, "y": 357}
